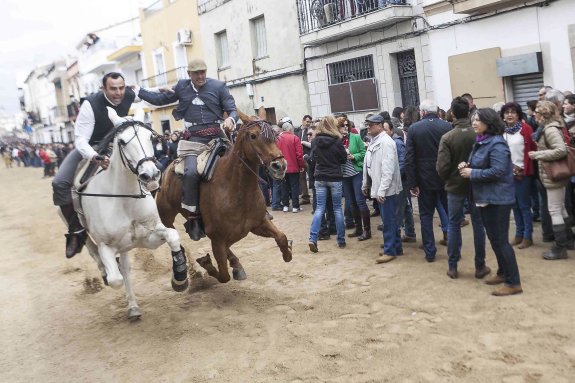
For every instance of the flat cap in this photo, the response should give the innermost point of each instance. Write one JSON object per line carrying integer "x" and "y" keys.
{"x": 196, "y": 65}
{"x": 375, "y": 119}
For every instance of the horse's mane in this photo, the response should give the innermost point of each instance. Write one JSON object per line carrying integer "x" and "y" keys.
{"x": 266, "y": 130}
{"x": 103, "y": 146}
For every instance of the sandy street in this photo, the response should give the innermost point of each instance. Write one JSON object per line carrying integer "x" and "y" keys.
{"x": 334, "y": 316}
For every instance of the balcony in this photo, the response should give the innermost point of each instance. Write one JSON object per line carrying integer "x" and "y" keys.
{"x": 483, "y": 6}
{"x": 321, "y": 21}
{"x": 165, "y": 79}
{"x": 73, "y": 109}
{"x": 59, "y": 114}
{"x": 207, "y": 5}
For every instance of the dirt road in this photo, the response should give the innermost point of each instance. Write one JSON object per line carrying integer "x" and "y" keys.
{"x": 334, "y": 316}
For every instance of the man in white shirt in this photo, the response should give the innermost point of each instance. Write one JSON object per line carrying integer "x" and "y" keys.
{"x": 91, "y": 127}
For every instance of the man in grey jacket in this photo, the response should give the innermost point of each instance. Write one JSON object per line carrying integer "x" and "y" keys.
{"x": 202, "y": 103}
{"x": 382, "y": 180}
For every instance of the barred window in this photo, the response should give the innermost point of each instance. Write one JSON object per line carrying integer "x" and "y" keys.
{"x": 359, "y": 68}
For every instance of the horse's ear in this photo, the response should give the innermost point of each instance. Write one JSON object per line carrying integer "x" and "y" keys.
{"x": 113, "y": 116}
{"x": 139, "y": 115}
{"x": 244, "y": 117}
{"x": 262, "y": 113}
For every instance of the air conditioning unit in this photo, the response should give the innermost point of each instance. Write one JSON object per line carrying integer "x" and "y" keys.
{"x": 184, "y": 37}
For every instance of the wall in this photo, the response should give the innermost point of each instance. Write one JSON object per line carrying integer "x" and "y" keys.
{"x": 528, "y": 30}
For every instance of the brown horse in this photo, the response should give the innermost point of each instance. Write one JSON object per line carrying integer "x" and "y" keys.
{"x": 231, "y": 203}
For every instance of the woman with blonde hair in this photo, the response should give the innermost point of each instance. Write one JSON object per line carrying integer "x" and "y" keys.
{"x": 551, "y": 146}
{"x": 328, "y": 154}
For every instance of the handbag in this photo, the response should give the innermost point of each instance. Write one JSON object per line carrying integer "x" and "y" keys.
{"x": 561, "y": 169}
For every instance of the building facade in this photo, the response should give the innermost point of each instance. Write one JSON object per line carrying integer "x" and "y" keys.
{"x": 364, "y": 57}
{"x": 253, "y": 45}
{"x": 171, "y": 37}
{"x": 500, "y": 50}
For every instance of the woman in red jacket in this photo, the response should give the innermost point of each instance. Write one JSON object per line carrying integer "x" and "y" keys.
{"x": 518, "y": 137}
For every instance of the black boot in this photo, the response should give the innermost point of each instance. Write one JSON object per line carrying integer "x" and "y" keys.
{"x": 559, "y": 249}
{"x": 76, "y": 237}
{"x": 366, "y": 220}
{"x": 195, "y": 227}
{"x": 357, "y": 219}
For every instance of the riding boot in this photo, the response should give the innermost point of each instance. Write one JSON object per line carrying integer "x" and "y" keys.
{"x": 356, "y": 214}
{"x": 76, "y": 236}
{"x": 195, "y": 226}
{"x": 559, "y": 249}
{"x": 366, "y": 219}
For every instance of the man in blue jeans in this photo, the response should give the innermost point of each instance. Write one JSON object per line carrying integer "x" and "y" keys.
{"x": 454, "y": 148}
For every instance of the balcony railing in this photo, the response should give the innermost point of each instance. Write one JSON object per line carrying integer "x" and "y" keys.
{"x": 207, "y": 5}
{"x": 59, "y": 114}
{"x": 73, "y": 109}
{"x": 168, "y": 78}
{"x": 317, "y": 14}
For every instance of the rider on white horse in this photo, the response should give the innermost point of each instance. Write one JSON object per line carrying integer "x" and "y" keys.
{"x": 91, "y": 127}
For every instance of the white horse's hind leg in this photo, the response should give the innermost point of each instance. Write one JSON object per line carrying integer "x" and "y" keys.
{"x": 108, "y": 256}
{"x": 133, "y": 308}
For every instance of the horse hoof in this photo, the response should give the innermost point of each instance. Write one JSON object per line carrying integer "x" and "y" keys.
{"x": 290, "y": 244}
{"x": 180, "y": 286}
{"x": 239, "y": 274}
{"x": 134, "y": 313}
{"x": 105, "y": 279}
{"x": 117, "y": 284}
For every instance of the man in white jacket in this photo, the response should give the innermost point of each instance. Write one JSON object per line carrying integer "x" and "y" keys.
{"x": 382, "y": 181}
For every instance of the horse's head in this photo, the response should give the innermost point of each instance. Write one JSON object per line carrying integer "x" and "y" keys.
{"x": 258, "y": 143}
{"x": 133, "y": 143}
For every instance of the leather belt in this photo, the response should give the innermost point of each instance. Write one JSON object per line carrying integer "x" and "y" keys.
{"x": 188, "y": 124}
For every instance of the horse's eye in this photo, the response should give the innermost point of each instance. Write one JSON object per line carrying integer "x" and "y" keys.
{"x": 121, "y": 142}
{"x": 253, "y": 136}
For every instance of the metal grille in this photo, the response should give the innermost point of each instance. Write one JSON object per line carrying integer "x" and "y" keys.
{"x": 526, "y": 88}
{"x": 359, "y": 68}
{"x": 408, "y": 78}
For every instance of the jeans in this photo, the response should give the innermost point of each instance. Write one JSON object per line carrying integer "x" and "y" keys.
{"x": 456, "y": 208}
{"x": 535, "y": 198}
{"x": 441, "y": 211}
{"x": 321, "y": 190}
{"x": 391, "y": 236}
{"x": 496, "y": 221}
{"x": 427, "y": 203}
{"x": 409, "y": 225}
{"x": 276, "y": 194}
{"x": 353, "y": 194}
{"x": 546, "y": 225}
{"x": 522, "y": 209}
{"x": 290, "y": 187}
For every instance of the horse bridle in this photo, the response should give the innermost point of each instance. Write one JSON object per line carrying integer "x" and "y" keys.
{"x": 121, "y": 145}
{"x": 268, "y": 134}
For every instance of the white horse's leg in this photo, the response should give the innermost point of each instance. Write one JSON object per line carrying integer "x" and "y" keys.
{"x": 133, "y": 308}
{"x": 163, "y": 234}
{"x": 93, "y": 250}
{"x": 108, "y": 256}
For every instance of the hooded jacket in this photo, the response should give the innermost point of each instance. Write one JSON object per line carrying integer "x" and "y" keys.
{"x": 329, "y": 154}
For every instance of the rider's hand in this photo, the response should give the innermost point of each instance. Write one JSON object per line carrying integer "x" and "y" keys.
{"x": 229, "y": 124}
{"x": 166, "y": 90}
{"x": 102, "y": 161}
{"x": 135, "y": 88}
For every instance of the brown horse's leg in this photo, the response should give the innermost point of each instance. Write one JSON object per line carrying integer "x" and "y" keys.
{"x": 206, "y": 263}
{"x": 238, "y": 271}
{"x": 268, "y": 229}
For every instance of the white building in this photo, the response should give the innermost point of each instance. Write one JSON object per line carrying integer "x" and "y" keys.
{"x": 254, "y": 46}
{"x": 364, "y": 56}
{"x": 500, "y": 50}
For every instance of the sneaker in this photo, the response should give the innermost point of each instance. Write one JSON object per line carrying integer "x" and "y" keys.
{"x": 295, "y": 210}
{"x": 286, "y": 209}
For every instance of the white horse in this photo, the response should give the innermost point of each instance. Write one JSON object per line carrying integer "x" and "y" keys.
{"x": 120, "y": 212}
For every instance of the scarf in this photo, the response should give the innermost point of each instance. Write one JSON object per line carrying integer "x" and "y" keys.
{"x": 481, "y": 137}
{"x": 345, "y": 141}
{"x": 513, "y": 129}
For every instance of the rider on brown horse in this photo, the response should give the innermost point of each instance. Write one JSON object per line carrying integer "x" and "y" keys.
{"x": 202, "y": 102}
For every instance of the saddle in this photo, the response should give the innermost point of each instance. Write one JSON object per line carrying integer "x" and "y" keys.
{"x": 207, "y": 156}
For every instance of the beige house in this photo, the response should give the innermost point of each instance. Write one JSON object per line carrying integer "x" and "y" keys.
{"x": 171, "y": 37}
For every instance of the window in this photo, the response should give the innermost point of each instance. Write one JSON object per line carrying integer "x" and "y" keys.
{"x": 180, "y": 56}
{"x": 359, "y": 68}
{"x": 259, "y": 37}
{"x": 222, "y": 49}
{"x": 352, "y": 85}
{"x": 159, "y": 68}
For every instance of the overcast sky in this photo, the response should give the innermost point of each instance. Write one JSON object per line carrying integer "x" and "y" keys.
{"x": 36, "y": 32}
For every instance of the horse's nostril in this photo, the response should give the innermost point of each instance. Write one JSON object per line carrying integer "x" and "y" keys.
{"x": 144, "y": 177}
{"x": 276, "y": 166}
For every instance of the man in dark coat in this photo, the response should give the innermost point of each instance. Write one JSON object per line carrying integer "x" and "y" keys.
{"x": 422, "y": 179}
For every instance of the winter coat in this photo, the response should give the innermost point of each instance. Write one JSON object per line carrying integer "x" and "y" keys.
{"x": 290, "y": 146}
{"x": 357, "y": 149}
{"x": 381, "y": 173}
{"x": 492, "y": 172}
{"x": 550, "y": 147}
{"x": 328, "y": 154}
